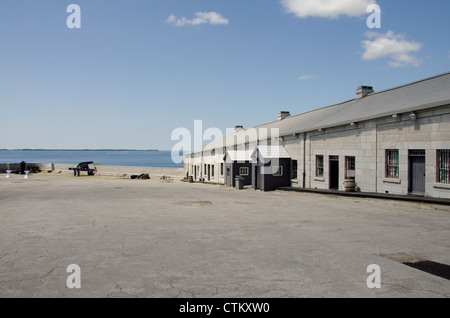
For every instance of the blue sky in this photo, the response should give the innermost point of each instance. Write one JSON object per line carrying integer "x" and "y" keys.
{"x": 138, "y": 69}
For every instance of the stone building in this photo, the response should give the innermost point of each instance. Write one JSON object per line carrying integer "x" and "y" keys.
{"x": 395, "y": 141}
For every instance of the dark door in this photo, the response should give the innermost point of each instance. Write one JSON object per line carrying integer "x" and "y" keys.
{"x": 258, "y": 177}
{"x": 209, "y": 172}
{"x": 417, "y": 171}
{"x": 334, "y": 172}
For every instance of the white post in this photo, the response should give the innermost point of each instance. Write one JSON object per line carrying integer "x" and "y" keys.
{"x": 8, "y": 174}
{"x": 26, "y": 174}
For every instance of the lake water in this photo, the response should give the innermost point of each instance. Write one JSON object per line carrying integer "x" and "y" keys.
{"x": 161, "y": 159}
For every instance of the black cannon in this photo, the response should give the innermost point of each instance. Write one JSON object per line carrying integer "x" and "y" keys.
{"x": 84, "y": 166}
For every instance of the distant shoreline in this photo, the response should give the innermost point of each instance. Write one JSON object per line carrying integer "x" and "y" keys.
{"x": 77, "y": 150}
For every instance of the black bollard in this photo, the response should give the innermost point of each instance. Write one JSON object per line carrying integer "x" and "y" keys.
{"x": 23, "y": 167}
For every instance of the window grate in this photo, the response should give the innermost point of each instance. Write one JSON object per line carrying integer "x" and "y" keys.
{"x": 443, "y": 164}
{"x": 392, "y": 164}
{"x": 417, "y": 153}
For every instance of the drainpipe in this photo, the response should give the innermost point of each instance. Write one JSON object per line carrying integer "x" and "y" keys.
{"x": 304, "y": 160}
{"x": 376, "y": 157}
{"x": 310, "y": 172}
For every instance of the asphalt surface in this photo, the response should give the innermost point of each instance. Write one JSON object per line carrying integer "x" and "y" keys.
{"x": 144, "y": 238}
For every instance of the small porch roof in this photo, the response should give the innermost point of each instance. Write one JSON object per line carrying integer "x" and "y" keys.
{"x": 238, "y": 155}
{"x": 271, "y": 152}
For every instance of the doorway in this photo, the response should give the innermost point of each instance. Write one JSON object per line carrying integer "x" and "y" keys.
{"x": 228, "y": 178}
{"x": 257, "y": 177}
{"x": 417, "y": 172}
{"x": 334, "y": 172}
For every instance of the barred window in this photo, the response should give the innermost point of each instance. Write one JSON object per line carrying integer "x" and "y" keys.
{"x": 443, "y": 166}
{"x": 319, "y": 166}
{"x": 392, "y": 164}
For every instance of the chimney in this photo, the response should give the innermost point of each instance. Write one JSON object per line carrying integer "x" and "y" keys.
{"x": 238, "y": 128}
{"x": 363, "y": 91}
{"x": 283, "y": 114}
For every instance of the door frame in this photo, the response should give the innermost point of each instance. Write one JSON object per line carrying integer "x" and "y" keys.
{"x": 330, "y": 172}
{"x": 414, "y": 153}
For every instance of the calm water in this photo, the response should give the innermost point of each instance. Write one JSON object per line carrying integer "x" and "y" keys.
{"x": 110, "y": 158}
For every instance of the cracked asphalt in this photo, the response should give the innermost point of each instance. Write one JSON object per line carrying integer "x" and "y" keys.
{"x": 137, "y": 238}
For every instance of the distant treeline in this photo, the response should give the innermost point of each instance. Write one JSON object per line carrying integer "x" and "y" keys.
{"x": 77, "y": 150}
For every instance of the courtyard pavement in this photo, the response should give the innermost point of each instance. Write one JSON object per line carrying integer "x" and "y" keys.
{"x": 144, "y": 238}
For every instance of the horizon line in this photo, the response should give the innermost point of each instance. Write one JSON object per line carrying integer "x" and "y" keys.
{"x": 81, "y": 149}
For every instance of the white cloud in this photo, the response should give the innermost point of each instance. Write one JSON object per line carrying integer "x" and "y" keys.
{"x": 306, "y": 77}
{"x": 327, "y": 8}
{"x": 171, "y": 18}
{"x": 200, "y": 18}
{"x": 391, "y": 45}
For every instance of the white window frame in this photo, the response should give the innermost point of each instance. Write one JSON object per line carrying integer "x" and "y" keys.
{"x": 243, "y": 174}
{"x": 277, "y": 171}
{"x": 320, "y": 166}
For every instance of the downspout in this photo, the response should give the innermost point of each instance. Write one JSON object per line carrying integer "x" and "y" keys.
{"x": 310, "y": 172}
{"x": 376, "y": 157}
{"x": 304, "y": 160}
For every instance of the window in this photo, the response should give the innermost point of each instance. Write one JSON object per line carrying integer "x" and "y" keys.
{"x": 392, "y": 164}
{"x": 212, "y": 171}
{"x": 443, "y": 166}
{"x": 277, "y": 171}
{"x": 204, "y": 171}
{"x": 221, "y": 169}
{"x": 319, "y": 166}
{"x": 350, "y": 167}
{"x": 213, "y": 152}
{"x": 243, "y": 171}
{"x": 294, "y": 167}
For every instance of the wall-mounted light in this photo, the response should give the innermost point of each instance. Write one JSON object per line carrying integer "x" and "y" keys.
{"x": 395, "y": 116}
{"x": 413, "y": 116}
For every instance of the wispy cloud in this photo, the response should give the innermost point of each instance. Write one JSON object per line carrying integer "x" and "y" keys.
{"x": 392, "y": 46}
{"x": 200, "y": 18}
{"x": 306, "y": 77}
{"x": 327, "y": 8}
